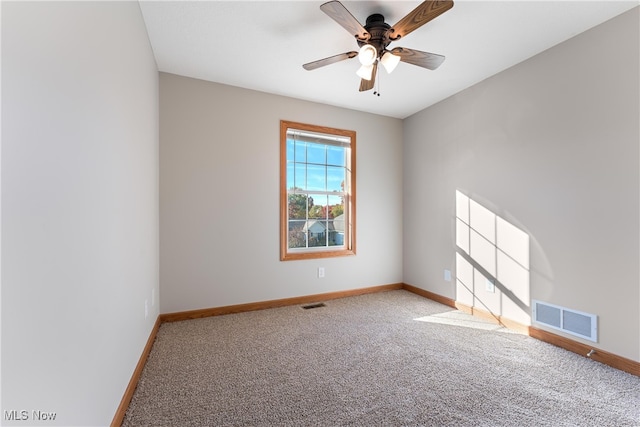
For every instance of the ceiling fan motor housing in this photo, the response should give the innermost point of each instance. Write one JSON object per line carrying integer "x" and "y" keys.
{"x": 379, "y": 31}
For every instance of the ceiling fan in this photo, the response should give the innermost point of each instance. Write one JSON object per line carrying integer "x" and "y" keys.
{"x": 374, "y": 37}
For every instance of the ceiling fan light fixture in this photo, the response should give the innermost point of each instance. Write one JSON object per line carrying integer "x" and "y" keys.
{"x": 389, "y": 61}
{"x": 367, "y": 54}
{"x": 376, "y": 35}
{"x": 365, "y": 72}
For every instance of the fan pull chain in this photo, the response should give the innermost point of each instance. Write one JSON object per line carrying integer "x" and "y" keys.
{"x": 377, "y": 90}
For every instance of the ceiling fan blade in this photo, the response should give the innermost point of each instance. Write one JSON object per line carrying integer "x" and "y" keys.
{"x": 342, "y": 16}
{"x": 366, "y": 85}
{"x": 330, "y": 60}
{"x": 427, "y": 60}
{"x": 419, "y": 16}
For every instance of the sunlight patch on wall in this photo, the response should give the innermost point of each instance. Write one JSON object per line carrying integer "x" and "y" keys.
{"x": 492, "y": 263}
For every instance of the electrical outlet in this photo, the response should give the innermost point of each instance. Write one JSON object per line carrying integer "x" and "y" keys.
{"x": 447, "y": 275}
{"x": 146, "y": 308}
{"x": 320, "y": 272}
{"x": 490, "y": 285}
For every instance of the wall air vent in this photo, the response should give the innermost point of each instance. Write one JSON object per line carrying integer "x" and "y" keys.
{"x": 583, "y": 325}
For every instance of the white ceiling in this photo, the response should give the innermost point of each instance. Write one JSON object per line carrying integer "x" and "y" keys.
{"x": 262, "y": 45}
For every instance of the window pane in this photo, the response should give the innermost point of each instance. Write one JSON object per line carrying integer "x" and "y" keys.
{"x": 319, "y": 208}
{"x": 347, "y": 182}
{"x": 335, "y": 179}
{"x": 297, "y": 235}
{"x": 300, "y": 180}
{"x": 316, "y": 153}
{"x": 297, "y": 206}
{"x": 316, "y": 230}
{"x": 290, "y": 150}
{"x": 336, "y": 215}
{"x": 336, "y": 206}
{"x": 301, "y": 151}
{"x": 317, "y": 178}
{"x": 335, "y": 155}
{"x": 290, "y": 176}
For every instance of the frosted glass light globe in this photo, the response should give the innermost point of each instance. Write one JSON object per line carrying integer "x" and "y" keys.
{"x": 367, "y": 54}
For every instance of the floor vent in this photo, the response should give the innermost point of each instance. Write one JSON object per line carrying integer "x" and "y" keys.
{"x": 316, "y": 305}
{"x": 573, "y": 322}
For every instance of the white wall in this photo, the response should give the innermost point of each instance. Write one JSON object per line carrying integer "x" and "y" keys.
{"x": 552, "y": 146}
{"x": 79, "y": 206}
{"x": 219, "y": 198}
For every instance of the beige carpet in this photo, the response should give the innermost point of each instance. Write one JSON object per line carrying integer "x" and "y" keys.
{"x": 386, "y": 359}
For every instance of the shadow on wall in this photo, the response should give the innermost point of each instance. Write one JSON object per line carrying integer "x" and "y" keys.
{"x": 492, "y": 262}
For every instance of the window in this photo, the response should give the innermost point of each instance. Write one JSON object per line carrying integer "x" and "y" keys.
{"x": 317, "y": 191}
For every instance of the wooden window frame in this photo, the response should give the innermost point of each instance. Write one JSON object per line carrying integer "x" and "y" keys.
{"x": 349, "y": 246}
